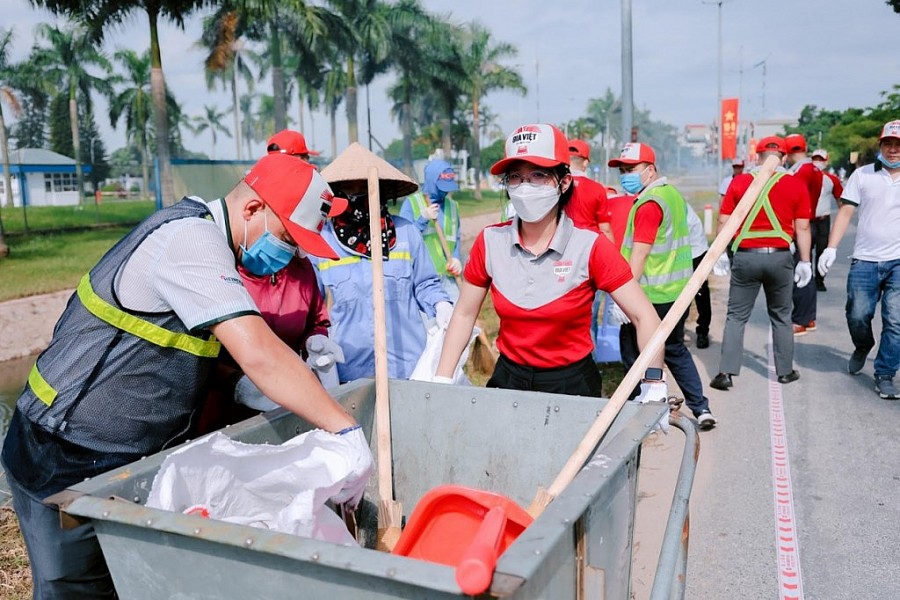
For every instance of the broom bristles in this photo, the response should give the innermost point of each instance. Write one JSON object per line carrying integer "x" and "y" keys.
{"x": 482, "y": 357}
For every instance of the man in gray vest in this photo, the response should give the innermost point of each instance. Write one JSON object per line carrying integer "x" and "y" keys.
{"x": 126, "y": 369}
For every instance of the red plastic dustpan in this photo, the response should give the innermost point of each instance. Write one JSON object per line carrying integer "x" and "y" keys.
{"x": 463, "y": 528}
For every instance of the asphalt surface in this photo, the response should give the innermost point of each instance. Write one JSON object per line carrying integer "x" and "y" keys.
{"x": 843, "y": 458}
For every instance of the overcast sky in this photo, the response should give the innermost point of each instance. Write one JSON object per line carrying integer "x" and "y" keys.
{"x": 834, "y": 54}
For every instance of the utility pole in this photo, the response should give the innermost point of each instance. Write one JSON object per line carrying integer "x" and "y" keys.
{"x": 627, "y": 74}
{"x": 537, "y": 89}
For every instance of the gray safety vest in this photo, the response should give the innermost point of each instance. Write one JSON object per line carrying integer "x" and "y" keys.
{"x": 117, "y": 380}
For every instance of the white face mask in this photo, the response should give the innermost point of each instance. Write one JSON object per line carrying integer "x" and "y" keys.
{"x": 533, "y": 202}
{"x": 820, "y": 164}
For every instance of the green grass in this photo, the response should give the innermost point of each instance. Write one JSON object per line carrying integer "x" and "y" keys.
{"x": 39, "y": 264}
{"x": 469, "y": 206}
{"x": 55, "y": 218}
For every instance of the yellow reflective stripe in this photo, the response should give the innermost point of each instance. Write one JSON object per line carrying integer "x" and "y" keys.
{"x": 324, "y": 265}
{"x": 145, "y": 330}
{"x": 43, "y": 390}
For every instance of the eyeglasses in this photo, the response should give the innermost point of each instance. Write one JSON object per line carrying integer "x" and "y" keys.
{"x": 514, "y": 180}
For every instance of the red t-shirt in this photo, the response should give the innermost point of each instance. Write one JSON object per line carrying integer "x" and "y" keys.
{"x": 812, "y": 179}
{"x": 619, "y": 208}
{"x": 588, "y": 206}
{"x": 647, "y": 220}
{"x": 838, "y": 188}
{"x": 544, "y": 303}
{"x": 789, "y": 200}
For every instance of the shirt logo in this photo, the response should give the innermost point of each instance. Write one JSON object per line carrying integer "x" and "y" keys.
{"x": 562, "y": 268}
{"x": 229, "y": 279}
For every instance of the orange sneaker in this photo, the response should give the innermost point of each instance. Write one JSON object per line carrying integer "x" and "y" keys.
{"x": 799, "y": 330}
{"x": 811, "y": 326}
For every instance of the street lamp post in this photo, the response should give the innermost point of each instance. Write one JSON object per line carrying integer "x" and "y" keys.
{"x": 627, "y": 74}
{"x": 718, "y": 116}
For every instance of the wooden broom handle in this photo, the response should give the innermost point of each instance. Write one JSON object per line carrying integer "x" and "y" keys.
{"x": 657, "y": 341}
{"x": 382, "y": 402}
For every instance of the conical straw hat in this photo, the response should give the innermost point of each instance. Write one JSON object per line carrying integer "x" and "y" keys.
{"x": 353, "y": 165}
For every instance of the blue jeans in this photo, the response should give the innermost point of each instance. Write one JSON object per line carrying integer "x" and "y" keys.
{"x": 867, "y": 283}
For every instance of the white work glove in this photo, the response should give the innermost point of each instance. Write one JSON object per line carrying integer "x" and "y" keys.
{"x": 431, "y": 211}
{"x": 246, "y": 393}
{"x": 360, "y": 468}
{"x": 656, "y": 391}
{"x": 617, "y": 315}
{"x": 454, "y": 266}
{"x": 722, "y": 268}
{"x": 802, "y": 273}
{"x": 441, "y": 379}
{"x": 442, "y": 313}
{"x": 826, "y": 260}
{"x": 793, "y": 248}
{"x": 322, "y": 352}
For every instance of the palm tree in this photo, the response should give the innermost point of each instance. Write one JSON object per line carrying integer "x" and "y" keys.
{"x": 66, "y": 61}
{"x": 101, "y": 15}
{"x": 335, "y": 86}
{"x": 135, "y": 103}
{"x": 368, "y": 39}
{"x": 9, "y": 96}
{"x": 211, "y": 120}
{"x": 484, "y": 73}
{"x": 227, "y": 60}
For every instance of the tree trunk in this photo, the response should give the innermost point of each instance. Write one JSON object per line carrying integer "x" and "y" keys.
{"x": 237, "y": 108}
{"x": 332, "y": 112}
{"x": 76, "y": 143}
{"x": 160, "y": 118}
{"x": 446, "y": 140}
{"x": 7, "y": 181}
{"x": 352, "y": 116}
{"x": 476, "y": 147}
{"x": 406, "y": 125}
{"x": 301, "y": 118}
{"x": 278, "y": 94}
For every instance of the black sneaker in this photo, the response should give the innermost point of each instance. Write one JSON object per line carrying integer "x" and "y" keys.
{"x": 886, "y": 388}
{"x": 706, "y": 420}
{"x": 820, "y": 286}
{"x": 792, "y": 376}
{"x": 702, "y": 341}
{"x": 722, "y": 381}
{"x": 857, "y": 361}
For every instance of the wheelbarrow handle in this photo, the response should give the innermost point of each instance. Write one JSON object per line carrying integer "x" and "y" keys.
{"x": 656, "y": 343}
{"x": 475, "y": 569}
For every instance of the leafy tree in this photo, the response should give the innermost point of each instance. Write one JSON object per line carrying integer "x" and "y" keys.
{"x": 211, "y": 120}
{"x": 94, "y": 151}
{"x": 481, "y": 63}
{"x": 895, "y": 4}
{"x": 66, "y": 61}
{"x": 134, "y": 101}
{"x": 102, "y": 16}
{"x": 9, "y": 97}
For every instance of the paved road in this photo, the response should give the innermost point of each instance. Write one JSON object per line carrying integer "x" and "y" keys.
{"x": 844, "y": 469}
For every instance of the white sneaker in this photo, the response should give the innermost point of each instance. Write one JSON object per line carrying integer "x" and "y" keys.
{"x": 706, "y": 421}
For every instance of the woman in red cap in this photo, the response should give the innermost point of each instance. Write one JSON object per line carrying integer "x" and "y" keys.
{"x": 542, "y": 273}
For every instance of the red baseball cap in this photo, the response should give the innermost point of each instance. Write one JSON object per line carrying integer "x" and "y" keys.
{"x": 634, "y": 153}
{"x": 772, "y": 142}
{"x": 540, "y": 144}
{"x": 580, "y": 148}
{"x": 795, "y": 143}
{"x": 301, "y": 198}
{"x": 891, "y": 129}
{"x": 288, "y": 141}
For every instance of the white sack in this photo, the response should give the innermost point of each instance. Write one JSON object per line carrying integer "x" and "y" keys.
{"x": 282, "y": 488}
{"x": 428, "y": 362}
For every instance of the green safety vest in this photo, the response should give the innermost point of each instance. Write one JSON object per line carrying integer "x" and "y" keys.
{"x": 669, "y": 265}
{"x": 762, "y": 203}
{"x": 418, "y": 202}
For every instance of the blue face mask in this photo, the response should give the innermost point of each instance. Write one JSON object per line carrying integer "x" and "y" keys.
{"x": 268, "y": 254}
{"x": 889, "y": 165}
{"x": 631, "y": 182}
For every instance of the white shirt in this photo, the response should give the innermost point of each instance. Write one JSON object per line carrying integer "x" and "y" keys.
{"x": 186, "y": 266}
{"x": 699, "y": 243}
{"x": 877, "y": 197}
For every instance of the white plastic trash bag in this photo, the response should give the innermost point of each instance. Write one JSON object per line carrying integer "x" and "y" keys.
{"x": 428, "y": 362}
{"x": 282, "y": 488}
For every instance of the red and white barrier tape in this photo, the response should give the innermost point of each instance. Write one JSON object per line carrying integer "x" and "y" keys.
{"x": 787, "y": 545}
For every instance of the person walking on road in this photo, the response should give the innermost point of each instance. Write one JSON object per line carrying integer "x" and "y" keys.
{"x": 803, "y": 315}
{"x": 542, "y": 273}
{"x": 657, "y": 247}
{"x": 762, "y": 257}
{"x": 832, "y": 188}
{"x": 875, "y": 266}
{"x": 699, "y": 246}
{"x": 130, "y": 357}
{"x": 737, "y": 168}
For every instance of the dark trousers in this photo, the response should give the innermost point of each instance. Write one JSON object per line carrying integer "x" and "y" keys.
{"x": 581, "y": 378}
{"x": 804, "y": 299}
{"x": 678, "y": 358}
{"x": 820, "y": 228}
{"x": 704, "y": 307}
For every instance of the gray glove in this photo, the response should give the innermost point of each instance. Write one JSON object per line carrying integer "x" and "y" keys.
{"x": 323, "y": 352}
{"x": 246, "y": 393}
{"x": 361, "y": 468}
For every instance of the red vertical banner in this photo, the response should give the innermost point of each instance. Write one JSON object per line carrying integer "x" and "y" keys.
{"x": 729, "y": 127}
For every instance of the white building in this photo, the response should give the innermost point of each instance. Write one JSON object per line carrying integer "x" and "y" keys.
{"x": 49, "y": 178}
